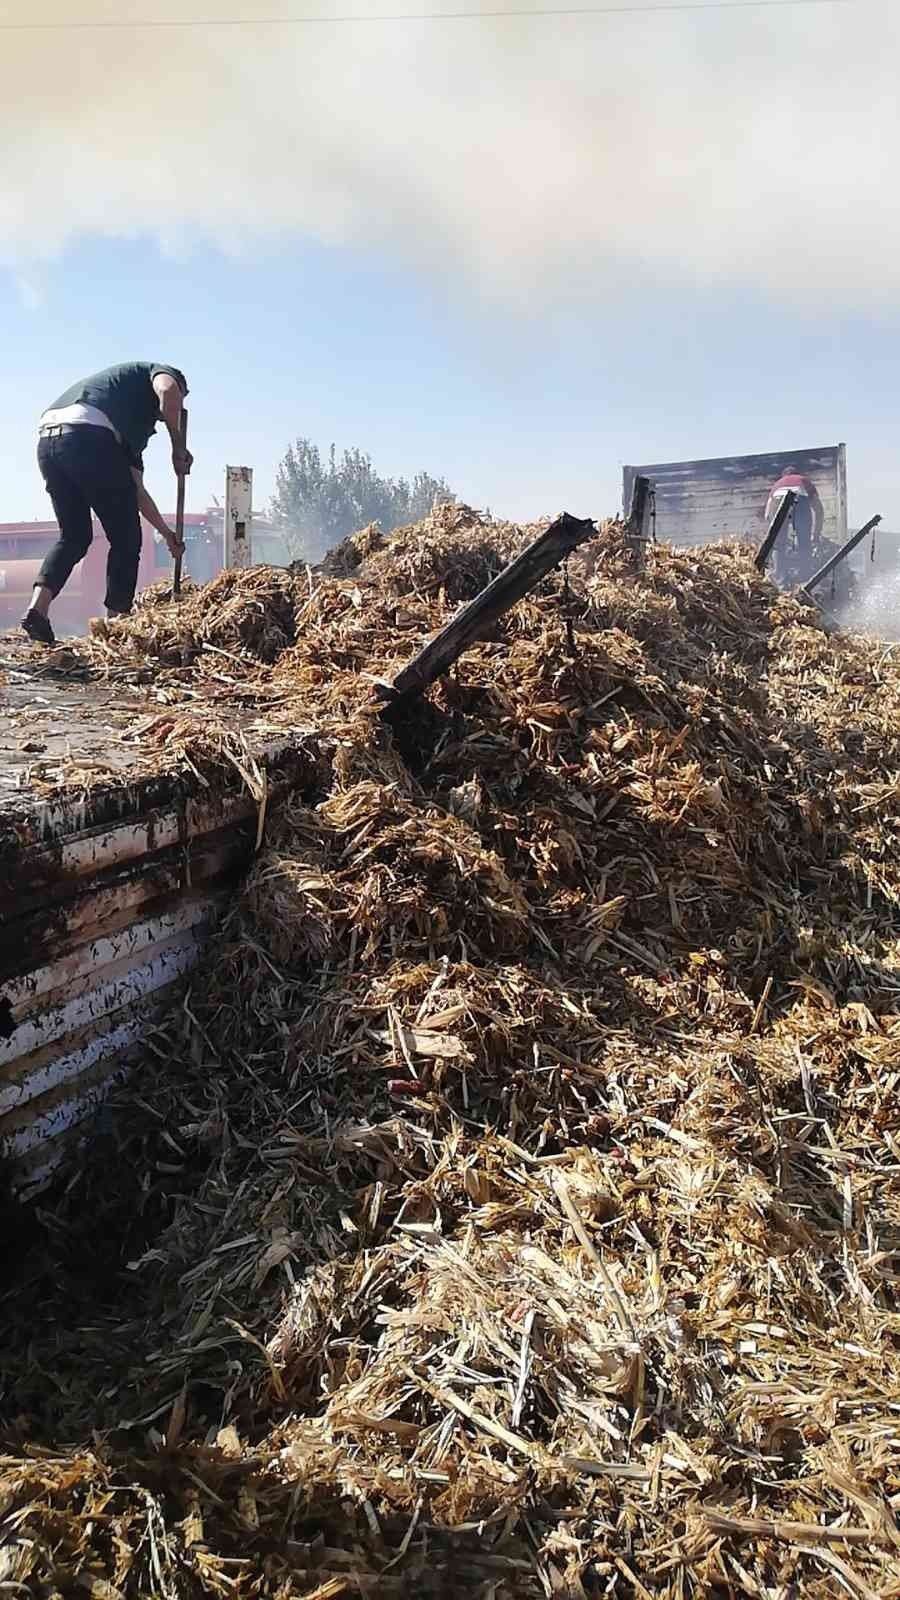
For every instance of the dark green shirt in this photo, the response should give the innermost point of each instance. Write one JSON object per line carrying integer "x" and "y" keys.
{"x": 125, "y": 394}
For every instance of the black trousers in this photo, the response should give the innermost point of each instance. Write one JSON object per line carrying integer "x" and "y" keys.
{"x": 802, "y": 518}
{"x": 85, "y": 469}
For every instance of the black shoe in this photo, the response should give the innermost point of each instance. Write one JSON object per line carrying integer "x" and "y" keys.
{"x": 38, "y": 627}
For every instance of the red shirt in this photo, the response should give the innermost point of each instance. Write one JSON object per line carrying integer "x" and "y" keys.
{"x": 792, "y": 480}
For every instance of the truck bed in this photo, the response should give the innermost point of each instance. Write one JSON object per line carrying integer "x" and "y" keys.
{"x": 53, "y": 722}
{"x": 118, "y": 854}
{"x": 70, "y": 735}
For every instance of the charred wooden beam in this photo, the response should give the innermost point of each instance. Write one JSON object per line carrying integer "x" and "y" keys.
{"x": 835, "y": 560}
{"x": 512, "y": 584}
{"x": 783, "y": 511}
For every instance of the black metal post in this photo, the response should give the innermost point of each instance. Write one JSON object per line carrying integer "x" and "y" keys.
{"x": 835, "y": 560}
{"x": 789, "y": 500}
{"x": 637, "y": 516}
{"x": 638, "y": 508}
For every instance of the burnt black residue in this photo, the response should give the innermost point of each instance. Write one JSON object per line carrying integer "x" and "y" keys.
{"x": 42, "y": 874}
{"x": 38, "y": 932}
{"x": 31, "y": 938}
{"x": 7, "y": 1025}
{"x": 105, "y": 806}
{"x": 16, "y": 1230}
{"x": 90, "y": 1303}
{"x": 44, "y": 896}
{"x": 417, "y": 726}
{"x": 111, "y": 804}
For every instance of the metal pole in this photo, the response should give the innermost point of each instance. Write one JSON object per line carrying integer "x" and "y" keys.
{"x": 835, "y": 560}
{"x": 789, "y": 500}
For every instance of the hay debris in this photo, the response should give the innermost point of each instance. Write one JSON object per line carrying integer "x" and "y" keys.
{"x": 512, "y": 1208}
{"x": 351, "y": 553}
{"x": 251, "y": 613}
{"x": 453, "y": 553}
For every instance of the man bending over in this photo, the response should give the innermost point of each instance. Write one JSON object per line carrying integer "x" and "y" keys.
{"x": 90, "y": 452}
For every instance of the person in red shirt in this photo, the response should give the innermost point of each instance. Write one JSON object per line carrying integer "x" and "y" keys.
{"x": 806, "y": 518}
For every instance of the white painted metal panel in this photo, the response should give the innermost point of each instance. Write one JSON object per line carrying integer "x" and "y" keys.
{"x": 238, "y": 517}
{"x": 124, "y": 984}
{"x": 81, "y": 965}
{"x": 112, "y": 847}
{"x": 38, "y": 1135}
{"x": 91, "y": 1066}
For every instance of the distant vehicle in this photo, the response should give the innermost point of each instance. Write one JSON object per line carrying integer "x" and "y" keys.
{"x": 725, "y": 497}
{"x": 700, "y": 502}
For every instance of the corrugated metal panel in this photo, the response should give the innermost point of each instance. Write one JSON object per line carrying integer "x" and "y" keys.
{"x": 725, "y": 497}
{"x": 104, "y": 923}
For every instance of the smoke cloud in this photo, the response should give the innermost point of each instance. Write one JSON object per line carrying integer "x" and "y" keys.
{"x": 526, "y": 158}
{"x": 878, "y": 609}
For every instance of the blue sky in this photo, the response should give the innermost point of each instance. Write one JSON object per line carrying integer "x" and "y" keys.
{"x": 527, "y": 414}
{"x": 518, "y": 253}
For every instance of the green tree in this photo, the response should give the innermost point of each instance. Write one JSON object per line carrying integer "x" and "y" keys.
{"x": 317, "y": 503}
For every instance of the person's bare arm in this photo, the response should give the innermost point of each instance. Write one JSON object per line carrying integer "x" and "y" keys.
{"x": 170, "y": 404}
{"x": 151, "y": 513}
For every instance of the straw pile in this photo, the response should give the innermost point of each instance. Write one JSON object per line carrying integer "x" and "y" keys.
{"x": 512, "y": 1209}
{"x": 454, "y": 552}
{"x": 346, "y": 557}
{"x": 248, "y": 612}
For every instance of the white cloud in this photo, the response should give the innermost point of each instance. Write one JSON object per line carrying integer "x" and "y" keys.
{"x": 30, "y": 292}
{"x": 526, "y": 158}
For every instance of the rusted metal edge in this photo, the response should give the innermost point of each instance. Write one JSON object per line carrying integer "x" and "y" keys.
{"x": 108, "y": 805}
{"x": 118, "y": 918}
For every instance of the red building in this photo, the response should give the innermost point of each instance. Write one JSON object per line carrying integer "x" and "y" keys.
{"x": 23, "y": 546}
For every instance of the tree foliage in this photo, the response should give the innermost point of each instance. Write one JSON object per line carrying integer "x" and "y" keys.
{"x": 318, "y": 503}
